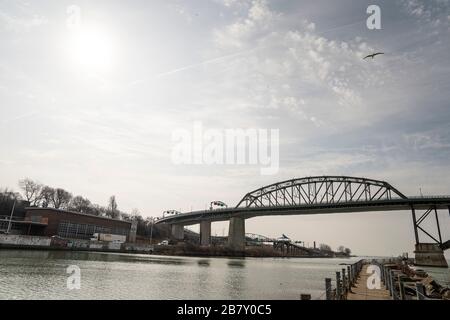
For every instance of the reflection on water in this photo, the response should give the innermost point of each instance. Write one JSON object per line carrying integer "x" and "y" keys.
{"x": 204, "y": 263}
{"x": 236, "y": 263}
{"x": 42, "y": 275}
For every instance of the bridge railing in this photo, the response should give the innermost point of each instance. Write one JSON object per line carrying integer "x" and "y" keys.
{"x": 430, "y": 197}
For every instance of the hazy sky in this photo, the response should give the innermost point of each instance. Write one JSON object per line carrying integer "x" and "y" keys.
{"x": 92, "y": 109}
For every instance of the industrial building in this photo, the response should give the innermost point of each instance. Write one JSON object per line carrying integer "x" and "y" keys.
{"x": 67, "y": 224}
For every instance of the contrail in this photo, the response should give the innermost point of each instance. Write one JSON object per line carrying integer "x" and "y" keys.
{"x": 203, "y": 63}
{"x": 195, "y": 65}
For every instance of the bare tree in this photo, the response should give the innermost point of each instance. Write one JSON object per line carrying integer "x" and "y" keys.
{"x": 9, "y": 195}
{"x": 61, "y": 198}
{"x": 97, "y": 210}
{"x": 46, "y": 196}
{"x": 81, "y": 204}
{"x": 341, "y": 249}
{"x": 135, "y": 212}
{"x": 347, "y": 251}
{"x": 324, "y": 247}
{"x": 31, "y": 190}
{"x": 112, "y": 208}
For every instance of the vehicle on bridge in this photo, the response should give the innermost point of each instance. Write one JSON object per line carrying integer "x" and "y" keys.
{"x": 217, "y": 204}
{"x": 170, "y": 213}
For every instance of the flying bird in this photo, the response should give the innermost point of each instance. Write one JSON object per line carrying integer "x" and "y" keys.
{"x": 373, "y": 55}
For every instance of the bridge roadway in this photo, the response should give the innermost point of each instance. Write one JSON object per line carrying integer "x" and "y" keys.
{"x": 418, "y": 203}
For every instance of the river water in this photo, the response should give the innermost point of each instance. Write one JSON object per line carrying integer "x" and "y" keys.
{"x": 43, "y": 275}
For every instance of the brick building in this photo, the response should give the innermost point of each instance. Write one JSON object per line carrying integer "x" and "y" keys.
{"x": 66, "y": 224}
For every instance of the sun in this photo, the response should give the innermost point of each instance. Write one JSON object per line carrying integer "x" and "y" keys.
{"x": 92, "y": 48}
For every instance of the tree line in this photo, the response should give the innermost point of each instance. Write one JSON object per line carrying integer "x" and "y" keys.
{"x": 44, "y": 196}
{"x": 340, "y": 249}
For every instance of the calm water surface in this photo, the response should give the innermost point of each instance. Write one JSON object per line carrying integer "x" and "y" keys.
{"x": 42, "y": 275}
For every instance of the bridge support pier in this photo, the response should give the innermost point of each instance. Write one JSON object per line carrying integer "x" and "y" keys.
{"x": 178, "y": 231}
{"x": 430, "y": 254}
{"x": 205, "y": 233}
{"x": 236, "y": 234}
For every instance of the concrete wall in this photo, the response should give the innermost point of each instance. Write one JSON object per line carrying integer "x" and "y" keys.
{"x": 21, "y": 240}
{"x": 44, "y": 242}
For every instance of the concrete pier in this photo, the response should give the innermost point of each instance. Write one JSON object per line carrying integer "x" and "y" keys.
{"x": 236, "y": 234}
{"x": 430, "y": 254}
{"x": 205, "y": 233}
{"x": 178, "y": 231}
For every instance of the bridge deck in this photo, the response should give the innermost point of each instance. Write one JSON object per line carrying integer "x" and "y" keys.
{"x": 315, "y": 208}
{"x": 361, "y": 292}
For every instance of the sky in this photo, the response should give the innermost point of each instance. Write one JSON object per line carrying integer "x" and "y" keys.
{"x": 91, "y": 93}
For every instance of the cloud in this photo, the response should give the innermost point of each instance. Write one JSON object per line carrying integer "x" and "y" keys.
{"x": 431, "y": 12}
{"x": 292, "y": 62}
{"x": 21, "y": 24}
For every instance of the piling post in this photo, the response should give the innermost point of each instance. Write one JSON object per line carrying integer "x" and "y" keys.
{"x": 328, "y": 288}
{"x": 401, "y": 286}
{"x": 349, "y": 283}
{"x": 353, "y": 275}
{"x": 386, "y": 277}
{"x": 391, "y": 284}
{"x": 344, "y": 282}
{"x": 338, "y": 285}
{"x": 420, "y": 289}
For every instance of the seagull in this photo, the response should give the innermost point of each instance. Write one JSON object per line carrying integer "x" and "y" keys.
{"x": 373, "y": 55}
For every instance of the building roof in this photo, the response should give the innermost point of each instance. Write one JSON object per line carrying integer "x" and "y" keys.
{"x": 73, "y": 212}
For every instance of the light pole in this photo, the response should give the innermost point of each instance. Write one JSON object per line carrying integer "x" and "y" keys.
{"x": 10, "y": 218}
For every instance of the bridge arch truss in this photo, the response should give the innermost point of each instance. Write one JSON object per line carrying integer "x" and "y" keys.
{"x": 320, "y": 190}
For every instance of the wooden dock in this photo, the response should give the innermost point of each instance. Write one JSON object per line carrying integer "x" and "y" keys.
{"x": 360, "y": 291}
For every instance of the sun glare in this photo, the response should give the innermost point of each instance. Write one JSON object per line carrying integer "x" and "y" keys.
{"x": 92, "y": 48}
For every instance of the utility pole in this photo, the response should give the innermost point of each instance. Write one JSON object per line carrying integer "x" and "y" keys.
{"x": 10, "y": 218}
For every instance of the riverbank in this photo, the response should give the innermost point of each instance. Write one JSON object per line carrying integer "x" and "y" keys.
{"x": 22, "y": 242}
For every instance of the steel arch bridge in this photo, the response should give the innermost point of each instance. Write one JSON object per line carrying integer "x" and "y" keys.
{"x": 320, "y": 190}
{"x": 318, "y": 195}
